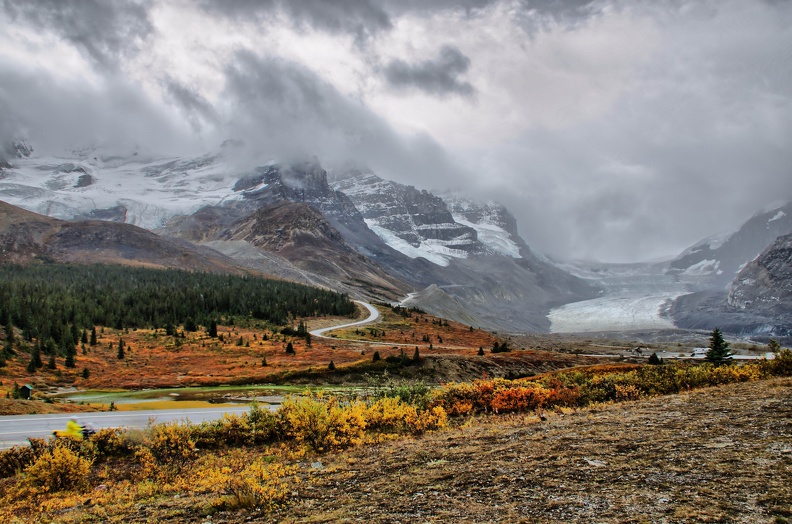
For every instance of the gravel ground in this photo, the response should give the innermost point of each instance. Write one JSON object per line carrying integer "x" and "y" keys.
{"x": 713, "y": 455}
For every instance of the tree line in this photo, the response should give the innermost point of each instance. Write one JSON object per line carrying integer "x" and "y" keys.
{"x": 58, "y": 301}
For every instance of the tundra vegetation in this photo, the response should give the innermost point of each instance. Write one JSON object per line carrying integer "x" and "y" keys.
{"x": 257, "y": 461}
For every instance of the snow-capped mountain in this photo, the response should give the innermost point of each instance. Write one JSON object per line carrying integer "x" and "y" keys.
{"x": 359, "y": 234}
{"x": 135, "y": 189}
{"x": 720, "y": 258}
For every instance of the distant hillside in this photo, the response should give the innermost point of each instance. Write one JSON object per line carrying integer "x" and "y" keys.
{"x": 721, "y": 258}
{"x": 29, "y": 237}
{"x": 758, "y": 303}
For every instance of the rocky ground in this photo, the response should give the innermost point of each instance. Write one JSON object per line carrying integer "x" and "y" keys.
{"x": 712, "y": 455}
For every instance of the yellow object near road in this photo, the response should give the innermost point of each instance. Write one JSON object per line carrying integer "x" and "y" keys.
{"x": 73, "y": 430}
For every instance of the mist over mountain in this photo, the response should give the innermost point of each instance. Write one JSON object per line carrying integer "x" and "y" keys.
{"x": 358, "y": 234}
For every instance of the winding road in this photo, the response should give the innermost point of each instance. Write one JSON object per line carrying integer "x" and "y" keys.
{"x": 16, "y": 429}
{"x": 373, "y": 316}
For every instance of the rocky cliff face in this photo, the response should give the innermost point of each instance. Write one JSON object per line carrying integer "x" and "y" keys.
{"x": 764, "y": 286}
{"x": 758, "y": 303}
{"x": 721, "y": 258}
{"x": 411, "y": 221}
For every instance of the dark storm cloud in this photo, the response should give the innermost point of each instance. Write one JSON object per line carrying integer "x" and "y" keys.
{"x": 359, "y": 17}
{"x": 283, "y": 110}
{"x": 106, "y": 31}
{"x": 192, "y": 104}
{"x": 438, "y": 76}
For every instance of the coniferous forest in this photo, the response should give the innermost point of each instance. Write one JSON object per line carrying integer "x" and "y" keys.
{"x": 44, "y": 300}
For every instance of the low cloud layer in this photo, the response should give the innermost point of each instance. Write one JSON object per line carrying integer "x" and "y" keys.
{"x": 613, "y": 130}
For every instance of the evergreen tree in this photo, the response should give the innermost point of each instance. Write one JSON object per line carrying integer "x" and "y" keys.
{"x": 189, "y": 325}
{"x": 2, "y": 360}
{"x": 9, "y": 329}
{"x": 36, "y": 356}
{"x": 416, "y": 355}
{"x": 93, "y": 341}
{"x": 31, "y": 367}
{"x": 290, "y": 348}
{"x": 480, "y": 351}
{"x": 263, "y": 362}
{"x": 654, "y": 360}
{"x": 86, "y": 373}
{"x": 120, "y": 349}
{"x": 331, "y": 366}
{"x": 376, "y": 357}
{"x": 69, "y": 352}
{"x": 51, "y": 364}
{"x": 308, "y": 339}
{"x": 718, "y": 352}
{"x": 213, "y": 329}
{"x": 84, "y": 337}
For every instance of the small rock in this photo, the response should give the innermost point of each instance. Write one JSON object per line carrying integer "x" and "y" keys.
{"x": 317, "y": 465}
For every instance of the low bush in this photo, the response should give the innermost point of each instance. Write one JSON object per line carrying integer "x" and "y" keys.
{"x": 322, "y": 424}
{"x": 58, "y": 470}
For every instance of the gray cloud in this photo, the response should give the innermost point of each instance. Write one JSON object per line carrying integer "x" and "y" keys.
{"x": 117, "y": 115}
{"x": 439, "y": 76}
{"x": 105, "y": 31}
{"x": 359, "y": 17}
{"x": 197, "y": 109}
{"x": 283, "y": 110}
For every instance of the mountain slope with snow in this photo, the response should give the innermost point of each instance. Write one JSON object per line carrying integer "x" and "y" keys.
{"x": 720, "y": 258}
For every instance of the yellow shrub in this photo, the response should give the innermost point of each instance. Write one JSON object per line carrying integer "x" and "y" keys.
{"x": 322, "y": 425}
{"x": 388, "y": 415}
{"x": 260, "y": 485}
{"x": 58, "y": 470}
{"x": 627, "y": 392}
{"x": 431, "y": 419}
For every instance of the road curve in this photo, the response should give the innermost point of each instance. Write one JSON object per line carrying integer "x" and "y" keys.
{"x": 373, "y": 316}
{"x": 16, "y": 429}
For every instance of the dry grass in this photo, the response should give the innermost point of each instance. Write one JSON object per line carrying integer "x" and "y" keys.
{"x": 719, "y": 454}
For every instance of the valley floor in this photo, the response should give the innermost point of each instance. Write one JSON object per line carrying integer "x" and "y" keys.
{"x": 712, "y": 455}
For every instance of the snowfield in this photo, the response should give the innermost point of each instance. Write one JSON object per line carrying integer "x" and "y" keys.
{"x": 613, "y": 313}
{"x": 634, "y": 298}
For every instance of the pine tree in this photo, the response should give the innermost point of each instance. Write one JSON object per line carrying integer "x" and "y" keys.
{"x": 416, "y": 355}
{"x": 331, "y": 366}
{"x": 376, "y": 357}
{"x": 36, "y": 357}
{"x": 31, "y": 367}
{"x": 718, "y": 352}
{"x": 290, "y": 348}
{"x": 654, "y": 360}
{"x": 84, "y": 337}
{"x": 213, "y": 329}
{"x": 86, "y": 373}
{"x": 93, "y": 341}
{"x": 480, "y": 351}
{"x": 51, "y": 364}
{"x": 120, "y": 349}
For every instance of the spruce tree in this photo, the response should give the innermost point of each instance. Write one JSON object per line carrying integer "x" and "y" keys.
{"x": 416, "y": 355}
{"x": 93, "y": 341}
{"x": 84, "y": 337}
{"x": 290, "y": 348}
{"x": 31, "y": 367}
{"x": 213, "y": 329}
{"x": 718, "y": 352}
{"x": 51, "y": 364}
{"x": 331, "y": 366}
{"x": 120, "y": 349}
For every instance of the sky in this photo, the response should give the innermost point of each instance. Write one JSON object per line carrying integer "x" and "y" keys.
{"x": 613, "y": 130}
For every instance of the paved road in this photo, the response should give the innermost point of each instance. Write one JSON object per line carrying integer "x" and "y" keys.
{"x": 16, "y": 429}
{"x": 373, "y": 316}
